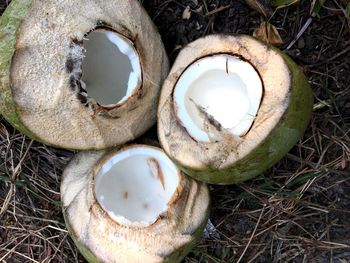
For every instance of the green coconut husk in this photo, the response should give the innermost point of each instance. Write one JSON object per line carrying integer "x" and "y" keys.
{"x": 10, "y": 23}
{"x": 284, "y": 114}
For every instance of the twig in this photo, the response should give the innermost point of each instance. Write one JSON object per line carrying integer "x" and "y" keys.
{"x": 217, "y": 10}
{"x": 253, "y": 234}
{"x": 344, "y": 51}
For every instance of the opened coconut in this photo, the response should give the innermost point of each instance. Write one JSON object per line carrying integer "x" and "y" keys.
{"x": 132, "y": 205}
{"x": 231, "y": 107}
{"x": 80, "y": 74}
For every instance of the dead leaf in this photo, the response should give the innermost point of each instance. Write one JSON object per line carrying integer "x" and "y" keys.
{"x": 268, "y": 34}
{"x": 261, "y": 6}
{"x": 3, "y": 130}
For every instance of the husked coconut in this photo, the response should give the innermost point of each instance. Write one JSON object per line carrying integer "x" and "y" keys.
{"x": 132, "y": 205}
{"x": 80, "y": 74}
{"x": 231, "y": 107}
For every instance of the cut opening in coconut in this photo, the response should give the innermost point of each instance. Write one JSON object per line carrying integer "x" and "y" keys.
{"x": 111, "y": 69}
{"x": 111, "y": 198}
{"x": 136, "y": 185}
{"x": 220, "y": 90}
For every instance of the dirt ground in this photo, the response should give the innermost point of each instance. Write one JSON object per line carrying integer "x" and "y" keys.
{"x": 297, "y": 211}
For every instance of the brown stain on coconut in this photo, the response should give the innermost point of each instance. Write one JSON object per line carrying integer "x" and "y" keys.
{"x": 125, "y": 195}
{"x": 155, "y": 170}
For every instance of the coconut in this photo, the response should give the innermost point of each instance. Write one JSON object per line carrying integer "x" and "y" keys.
{"x": 231, "y": 107}
{"x": 132, "y": 205}
{"x": 80, "y": 74}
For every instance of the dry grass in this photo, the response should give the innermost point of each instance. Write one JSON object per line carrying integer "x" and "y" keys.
{"x": 298, "y": 211}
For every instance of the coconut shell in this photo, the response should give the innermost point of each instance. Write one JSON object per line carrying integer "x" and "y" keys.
{"x": 283, "y": 116}
{"x": 101, "y": 239}
{"x": 40, "y": 70}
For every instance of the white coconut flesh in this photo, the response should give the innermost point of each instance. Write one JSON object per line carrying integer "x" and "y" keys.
{"x": 222, "y": 90}
{"x": 136, "y": 185}
{"x": 111, "y": 69}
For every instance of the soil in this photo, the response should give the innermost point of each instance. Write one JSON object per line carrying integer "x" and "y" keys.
{"x": 297, "y": 211}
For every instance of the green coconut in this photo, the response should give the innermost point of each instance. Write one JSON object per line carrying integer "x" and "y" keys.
{"x": 231, "y": 107}
{"x": 80, "y": 74}
{"x": 132, "y": 205}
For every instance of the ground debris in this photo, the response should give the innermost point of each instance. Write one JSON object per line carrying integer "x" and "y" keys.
{"x": 268, "y": 34}
{"x": 303, "y": 202}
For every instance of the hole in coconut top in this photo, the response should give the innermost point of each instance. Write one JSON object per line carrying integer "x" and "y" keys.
{"x": 222, "y": 91}
{"x": 111, "y": 67}
{"x": 135, "y": 185}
